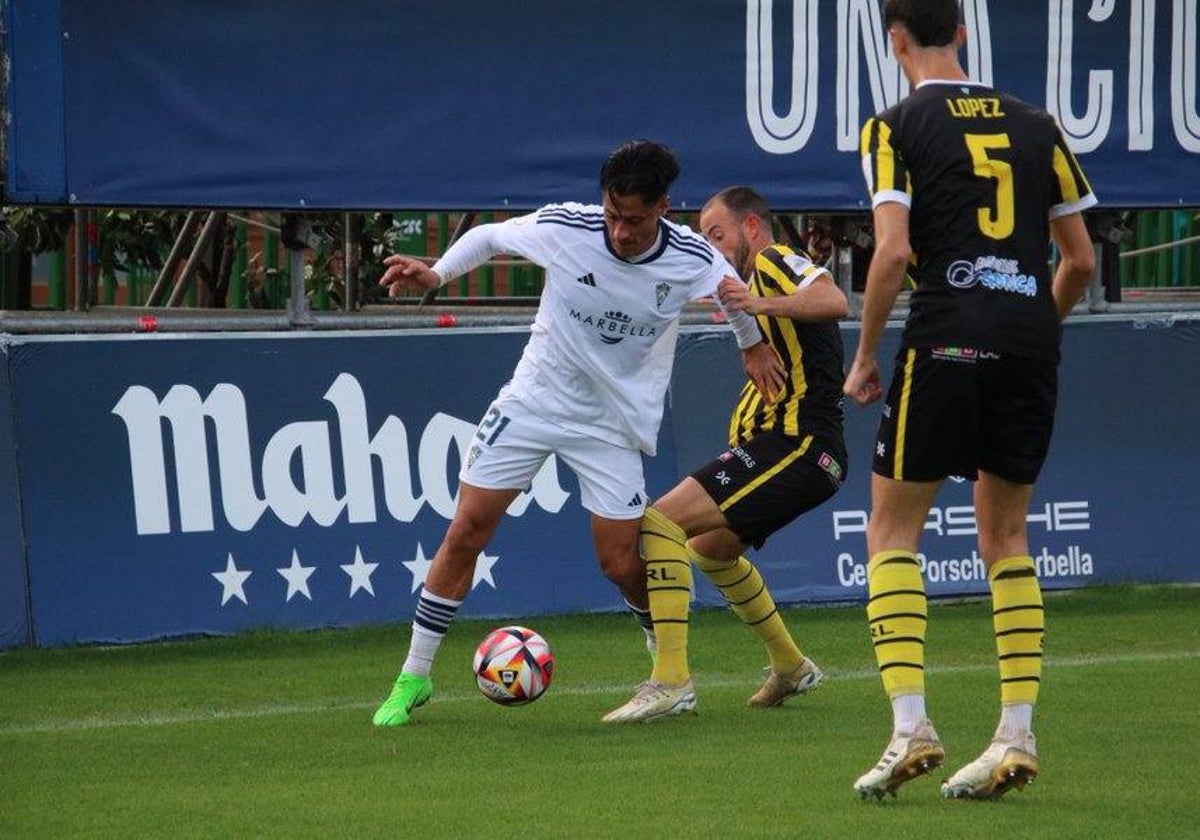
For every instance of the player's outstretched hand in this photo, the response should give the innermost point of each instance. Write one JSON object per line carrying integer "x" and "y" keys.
{"x": 736, "y": 297}
{"x": 764, "y": 369}
{"x": 863, "y": 382}
{"x": 405, "y": 273}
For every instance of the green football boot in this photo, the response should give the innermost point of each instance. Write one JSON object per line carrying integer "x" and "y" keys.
{"x": 409, "y": 692}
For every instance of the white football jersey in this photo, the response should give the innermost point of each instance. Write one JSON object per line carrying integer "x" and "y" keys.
{"x": 603, "y": 343}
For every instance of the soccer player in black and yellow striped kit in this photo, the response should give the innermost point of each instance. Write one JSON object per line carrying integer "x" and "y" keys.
{"x": 786, "y": 456}
{"x": 968, "y": 187}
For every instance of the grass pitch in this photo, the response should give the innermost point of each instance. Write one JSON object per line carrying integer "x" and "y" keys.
{"x": 269, "y": 735}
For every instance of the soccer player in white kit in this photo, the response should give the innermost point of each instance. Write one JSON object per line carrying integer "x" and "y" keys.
{"x": 590, "y": 384}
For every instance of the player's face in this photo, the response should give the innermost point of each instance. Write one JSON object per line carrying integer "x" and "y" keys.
{"x": 725, "y": 233}
{"x": 632, "y": 223}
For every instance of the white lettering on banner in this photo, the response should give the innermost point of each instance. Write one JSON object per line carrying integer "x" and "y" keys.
{"x": 1074, "y": 562}
{"x": 1086, "y": 132}
{"x": 1141, "y": 76}
{"x": 859, "y": 23}
{"x": 305, "y": 441}
{"x": 979, "y": 40}
{"x": 1183, "y": 76}
{"x": 960, "y": 520}
{"x": 773, "y": 133}
{"x": 862, "y": 41}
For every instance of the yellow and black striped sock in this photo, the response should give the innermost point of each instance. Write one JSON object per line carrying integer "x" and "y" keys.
{"x": 744, "y": 590}
{"x": 896, "y": 614}
{"x": 1020, "y": 623}
{"x": 669, "y": 585}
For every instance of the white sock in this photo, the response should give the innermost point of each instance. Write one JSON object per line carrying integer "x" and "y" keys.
{"x": 431, "y": 622}
{"x": 1016, "y": 721}
{"x": 908, "y": 710}
{"x": 421, "y": 651}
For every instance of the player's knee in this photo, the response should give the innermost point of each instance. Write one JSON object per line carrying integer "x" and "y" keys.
{"x": 469, "y": 533}
{"x": 624, "y": 568}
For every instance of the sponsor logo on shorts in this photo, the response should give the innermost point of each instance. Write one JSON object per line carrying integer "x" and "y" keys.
{"x": 955, "y": 354}
{"x": 743, "y": 456}
{"x": 636, "y": 501}
{"x": 724, "y": 456}
{"x": 991, "y": 272}
{"x": 831, "y": 466}
{"x": 723, "y": 478}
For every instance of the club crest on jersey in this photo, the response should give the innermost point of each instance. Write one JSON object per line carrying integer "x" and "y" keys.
{"x": 660, "y": 292}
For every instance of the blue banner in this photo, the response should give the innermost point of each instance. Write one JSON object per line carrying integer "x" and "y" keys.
{"x": 424, "y": 104}
{"x": 212, "y": 484}
{"x": 14, "y": 589}
{"x": 1114, "y": 503}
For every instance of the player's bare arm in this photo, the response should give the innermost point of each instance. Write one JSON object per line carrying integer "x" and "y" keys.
{"x": 1078, "y": 261}
{"x": 884, "y": 280}
{"x": 406, "y": 273}
{"x": 819, "y": 300}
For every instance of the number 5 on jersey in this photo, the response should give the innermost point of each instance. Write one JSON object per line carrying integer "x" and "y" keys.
{"x": 995, "y": 223}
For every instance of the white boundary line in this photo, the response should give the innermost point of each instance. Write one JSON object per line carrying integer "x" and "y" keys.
{"x": 341, "y": 704}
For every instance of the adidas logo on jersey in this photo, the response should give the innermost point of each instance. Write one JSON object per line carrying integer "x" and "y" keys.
{"x": 636, "y": 501}
{"x": 587, "y": 280}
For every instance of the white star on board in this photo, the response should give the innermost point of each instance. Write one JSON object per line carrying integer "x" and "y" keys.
{"x": 297, "y": 577}
{"x": 360, "y": 573}
{"x": 419, "y": 567}
{"x": 232, "y": 580}
{"x": 483, "y": 570}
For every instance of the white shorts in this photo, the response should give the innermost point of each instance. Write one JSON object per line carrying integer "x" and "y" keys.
{"x": 513, "y": 441}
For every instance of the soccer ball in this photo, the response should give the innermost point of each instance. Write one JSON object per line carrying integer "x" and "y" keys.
{"x": 513, "y": 666}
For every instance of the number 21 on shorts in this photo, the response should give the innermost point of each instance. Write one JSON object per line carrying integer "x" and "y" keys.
{"x": 491, "y": 426}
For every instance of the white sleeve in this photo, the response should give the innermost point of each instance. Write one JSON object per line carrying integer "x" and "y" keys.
{"x": 519, "y": 237}
{"x": 472, "y": 249}
{"x": 745, "y": 327}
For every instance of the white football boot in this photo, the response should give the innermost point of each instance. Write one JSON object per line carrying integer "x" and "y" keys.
{"x": 779, "y": 687}
{"x": 654, "y": 700}
{"x": 908, "y": 756}
{"x": 1003, "y": 766}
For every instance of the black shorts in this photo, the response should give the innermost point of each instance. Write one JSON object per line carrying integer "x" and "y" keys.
{"x": 957, "y": 410}
{"x": 771, "y": 479}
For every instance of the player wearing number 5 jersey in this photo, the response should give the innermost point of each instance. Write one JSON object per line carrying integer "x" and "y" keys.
{"x": 968, "y": 186}
{"x": 590, "y": 384}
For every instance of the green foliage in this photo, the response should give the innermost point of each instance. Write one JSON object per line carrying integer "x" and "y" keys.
{"x": 269, "y": 735}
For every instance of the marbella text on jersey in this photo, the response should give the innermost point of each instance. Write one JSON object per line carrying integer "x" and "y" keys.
{"x": 308, "y": 443}
{"x": 1086, "y": 116}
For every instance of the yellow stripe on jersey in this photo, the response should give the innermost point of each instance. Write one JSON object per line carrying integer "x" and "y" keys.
{"x": 1066, "y": 179}
{"x": 902, "y": 414}
{"x": 778, "y": 270}
{"x": 741, "y": 424}
{"x": 1072, "y": 183}
{"x": 766, "y": 476}
{"x": 885, "y": 160}
{"x": 864, "y": 150}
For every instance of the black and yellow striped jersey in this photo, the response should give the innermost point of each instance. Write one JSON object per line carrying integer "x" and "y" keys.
{"x": 811, "y": 399}
{"x": 983, "y": 174}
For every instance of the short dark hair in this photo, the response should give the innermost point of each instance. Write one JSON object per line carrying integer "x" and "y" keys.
{"x": 743, "y": 202}
{"x": 932, "y": 23}
{"x": 640, "y": 167}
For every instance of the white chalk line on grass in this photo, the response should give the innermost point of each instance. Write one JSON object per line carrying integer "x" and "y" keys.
{"x": 702, "y": 681}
